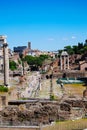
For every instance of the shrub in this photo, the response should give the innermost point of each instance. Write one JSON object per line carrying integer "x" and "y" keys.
{"x": 12, "y": 65}
{"x": 3, "y": 88}
{"x": 52, "y": 97}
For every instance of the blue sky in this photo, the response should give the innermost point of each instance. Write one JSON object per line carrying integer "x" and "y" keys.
{"x": 47, "y": 24}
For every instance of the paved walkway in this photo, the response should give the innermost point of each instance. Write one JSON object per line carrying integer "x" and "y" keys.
{"x": 33, "y": 87}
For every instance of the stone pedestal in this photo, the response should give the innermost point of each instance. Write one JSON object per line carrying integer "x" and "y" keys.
{"x": 3, "y": 100}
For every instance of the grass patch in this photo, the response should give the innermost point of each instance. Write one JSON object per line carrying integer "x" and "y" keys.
{"x": 75, "y": 89}
{"x": 68, "y": 125}
{"x": 75, "y": 85}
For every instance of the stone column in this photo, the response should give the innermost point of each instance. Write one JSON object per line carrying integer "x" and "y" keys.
{"x": 61, "y": 63}
{"x": 6, "y": 64}
{"x": 68, "y": 61}
{"x": 64, "y": 63}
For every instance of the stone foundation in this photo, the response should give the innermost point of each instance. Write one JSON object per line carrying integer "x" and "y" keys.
{"x": 3, "y": 100}
{"x": 19, "y": 128}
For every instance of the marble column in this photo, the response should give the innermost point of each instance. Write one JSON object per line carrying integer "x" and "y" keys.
{"x": 6, "y": 64}
{"x": 64, "y": 62}
{"x": 61, "y": 63}
{"x": 68, "y": 61}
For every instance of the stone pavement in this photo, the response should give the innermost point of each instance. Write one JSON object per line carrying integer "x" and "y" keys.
{"x": 33, "y": 87}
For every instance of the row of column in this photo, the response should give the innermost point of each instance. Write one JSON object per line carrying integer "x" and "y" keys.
{"x": 64, "y": 62}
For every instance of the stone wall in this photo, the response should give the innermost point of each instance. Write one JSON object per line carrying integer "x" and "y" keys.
{"x": 19, "y": 128}
{"x": 70, "y": 74}
{"x": 43, "y": 112}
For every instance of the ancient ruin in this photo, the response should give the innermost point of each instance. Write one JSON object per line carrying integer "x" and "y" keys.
{"x": 64, "y": 61}
{"x": 45, "y": 112}
{"x": 3, "y": 43}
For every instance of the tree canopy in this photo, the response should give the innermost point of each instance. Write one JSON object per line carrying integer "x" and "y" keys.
{"x": 12, "y": 65}
{"x": 76, "y": 49}
{"x": 35, "y": 61}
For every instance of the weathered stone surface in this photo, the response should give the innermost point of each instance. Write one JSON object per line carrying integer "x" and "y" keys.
{"x": 64, "y": 115}
{"x": 65, "y": 106}
{"x": 36, "y": 113}
{"x": 75, "y": 102}
{"x": 27, "y": 113}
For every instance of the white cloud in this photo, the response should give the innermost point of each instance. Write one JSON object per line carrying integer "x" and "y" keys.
{"x": 50, "y": 39}
{"x": 73, "y": 37}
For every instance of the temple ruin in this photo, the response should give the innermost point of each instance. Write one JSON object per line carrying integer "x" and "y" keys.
{"x": 64, "y": 61}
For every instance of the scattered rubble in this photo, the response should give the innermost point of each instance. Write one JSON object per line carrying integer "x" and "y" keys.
{"x": 44, "y": 112}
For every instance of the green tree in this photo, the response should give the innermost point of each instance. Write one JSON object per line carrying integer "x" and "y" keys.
{"x": 30, "y": 59}
{"x": 85, "y": 44}
{"x": 12, "y": 65}
{"x": 43, "y": 57}
{"x": 85, "y": 49}
{"x": 69, "y": 50}
{"x": 35, "y": 61}
{"x": 80, "y": 46}
{"x": 59, "y": 52}
{"x": 75, "y": 49}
